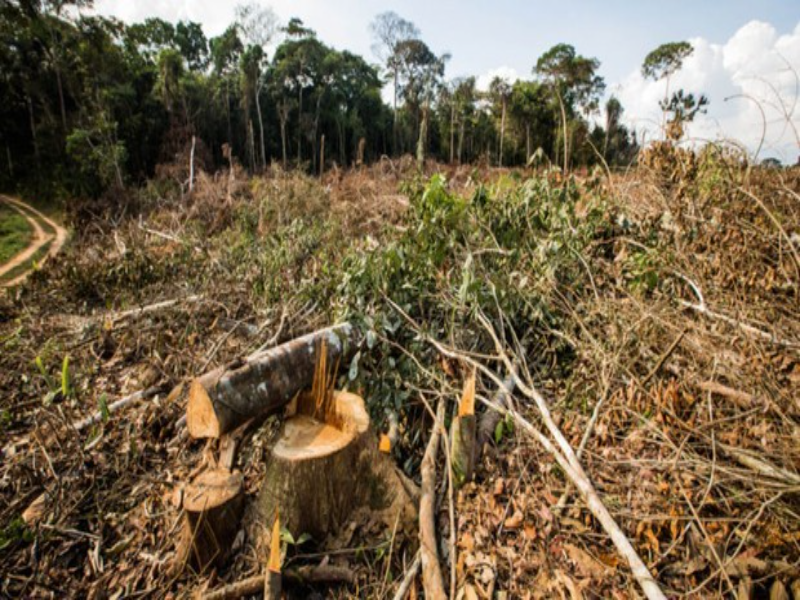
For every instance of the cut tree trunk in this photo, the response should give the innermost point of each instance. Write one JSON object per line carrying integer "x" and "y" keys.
{"x": 325, "y": 466}
{"x": 463, "y": 448}
{"x": 212, "y": 505}
{"x": 225, "y": 398}
{"x": 463, "y": 431}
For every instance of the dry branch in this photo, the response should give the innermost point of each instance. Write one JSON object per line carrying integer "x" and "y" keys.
{"x": 115, "y": 406}
{"x": 323, "y": 574}
{"x": 408, "y": 578}
{"x": 432, "y": 579}
{"x": 565, "y": 456}
{"x": 224, "y": 398}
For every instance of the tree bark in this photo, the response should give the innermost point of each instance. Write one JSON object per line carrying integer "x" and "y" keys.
{"x": 565, "y": 130}
{"x": 394, "y": 109}
{"x": 527, "y": 142}
{"x": 213, "y": 505}
{"x": 502, "y": 134}
{"x": 322, "y": 156}
{"x": 225, "y": 398}
{"x": 32, "y": 122}
{"x": 452, "y": 131}
{"x": 423, "y": 135}
{"x": 461, "y": 128}
{"x": 283, "y": 115}
{"x": 261, "y": 128}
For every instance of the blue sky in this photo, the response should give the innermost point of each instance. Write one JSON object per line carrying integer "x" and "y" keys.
{"x": 737, "y": 43}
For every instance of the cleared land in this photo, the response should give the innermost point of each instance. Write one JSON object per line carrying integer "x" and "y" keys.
{"x": 46, "y": 241}
{"x": 656, "y": 313}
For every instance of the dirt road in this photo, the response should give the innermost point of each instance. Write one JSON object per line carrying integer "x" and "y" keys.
{"x": 40, "y": 239}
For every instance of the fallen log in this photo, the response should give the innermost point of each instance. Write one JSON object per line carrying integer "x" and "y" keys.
{"x": 224, "y": 398}
{"x": 212, "y": 505}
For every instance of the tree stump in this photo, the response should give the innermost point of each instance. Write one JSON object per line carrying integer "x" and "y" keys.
{"x": 213, "y": 505}
{"x": 326, "y": 466}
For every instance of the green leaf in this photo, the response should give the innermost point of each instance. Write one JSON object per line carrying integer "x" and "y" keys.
{"x": 66, "y": 388}
{"x": 287, "y": 537}
{"x": 353, "y": 373}
{"x": 372, "y": 339}
{"x": 102, "y": 404}
{"x": 40, "y": 365}
{"x": 498, "y": 432}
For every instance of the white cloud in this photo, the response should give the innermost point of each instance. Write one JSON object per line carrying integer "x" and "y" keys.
{"x": 755, "y": 68}
{"x": 506, "y": 73}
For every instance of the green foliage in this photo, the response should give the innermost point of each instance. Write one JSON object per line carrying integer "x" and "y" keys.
{"x": 66, "y": 384}
{"x": 90, "y": 103}
{"x": 102, "y": 406}
{"x": 573, "y": 75}
{"x": 97, "y": 153}
{"x": 508, "y": 246}
{"x": 15, "y": 531}
{"x": 666, "y": 60}
{"x": 15, "y": 233}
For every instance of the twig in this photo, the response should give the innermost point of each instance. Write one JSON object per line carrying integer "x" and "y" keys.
{"x": 663, "y": 358}
{"x": 566, "y": 460}
{"x": 562, "y": 501}
{"x": 115, "y": 406}
{"x": 255, "y": 585}
{"x": 137, "y": 312}
{"x": 703, "y": 309}
{"x": 409, "y": 578}
{"x": 451, "y": 511}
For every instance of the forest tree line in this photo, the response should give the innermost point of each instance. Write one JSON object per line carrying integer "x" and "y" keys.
{"x": 88, "y": 103}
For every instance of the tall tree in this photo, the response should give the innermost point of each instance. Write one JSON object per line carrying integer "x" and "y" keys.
{"x": 259, "y": 27}
{"x": 500, "y": 92}
{"x": 193, "y": 45}
{"x": 574, "y": 81}
{"x": 390, "y": 31}
{"x": 422, "y": 73}
{"x": 225, "y": 52}
{"x": 663, "y": 63}
{"x": 683, "y": 108}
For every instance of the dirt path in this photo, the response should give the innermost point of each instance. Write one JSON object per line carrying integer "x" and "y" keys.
{"x": 40, "y": 239}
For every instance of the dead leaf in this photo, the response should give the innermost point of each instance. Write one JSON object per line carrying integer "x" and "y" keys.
{"x": 585, "y": 565}
{"x": 34, "y": 513}
{"x": 467, "y": 542}
{"x": 499, "y": 486}
{"x": 514, "y": 521}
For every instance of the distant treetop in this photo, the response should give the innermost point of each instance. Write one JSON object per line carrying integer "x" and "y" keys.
{"x": 666, "y": 60}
